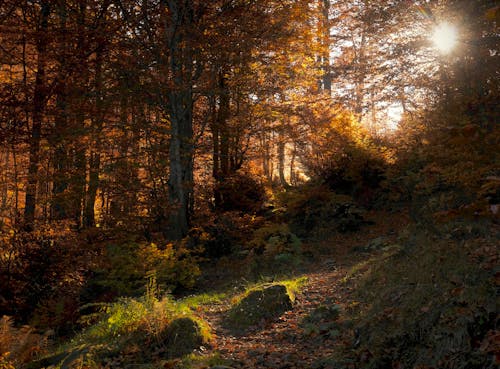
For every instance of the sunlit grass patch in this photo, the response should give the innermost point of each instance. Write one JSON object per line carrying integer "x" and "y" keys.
{"x": 197, "y": 301}
{"x": 144, "y": 331}
{"x": 365, "y": 267}
{"x": 293, "y": 286}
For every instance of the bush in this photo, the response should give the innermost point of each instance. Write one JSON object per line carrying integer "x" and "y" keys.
{"x": 144, "y": 330}
{"x": 275, "y": 239}
{"x": 222, "y": 234}
{"x": 239, "y": 192}
{"x": 41, "y": 275}
{"x": 127, "y": 266}
{"x": 19, "y": 345}
{"x": 314, "y": 209}
{"x": 343, "y": 156}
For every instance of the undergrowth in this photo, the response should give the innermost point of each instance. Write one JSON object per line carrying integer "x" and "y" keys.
{"x": 136, "y": 330}
{"x": 430, "y": 303}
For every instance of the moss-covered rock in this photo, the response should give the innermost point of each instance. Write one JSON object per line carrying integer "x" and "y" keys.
{"x": 262, "y": 304}
{"x": 181, "y": 337}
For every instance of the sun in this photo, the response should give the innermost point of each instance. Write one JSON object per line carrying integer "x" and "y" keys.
{"x": 445, "y": 37}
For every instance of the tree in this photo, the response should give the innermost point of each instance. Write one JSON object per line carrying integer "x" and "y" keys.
{"x": 39, "y": 104}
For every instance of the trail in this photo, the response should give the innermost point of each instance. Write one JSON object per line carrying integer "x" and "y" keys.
{"x": 284, "y": 344}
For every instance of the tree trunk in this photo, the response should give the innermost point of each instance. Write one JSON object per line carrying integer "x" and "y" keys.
{"x": 293, "y": 180}
{"x": 281, "y": 158}
{"x": 60, "y": 177}
{"x": 180, "y": 109}
{"x": 95, "y": 154}
{"x": 39, "y": 98}
{"x": 327, "y": 76}
{"x": 221, "y": 155}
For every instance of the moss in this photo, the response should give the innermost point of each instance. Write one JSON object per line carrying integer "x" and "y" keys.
{"x": 260, "y": 304}
{"x": 181, "y": 337}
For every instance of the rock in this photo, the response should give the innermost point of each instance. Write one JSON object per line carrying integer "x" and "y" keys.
{"x": 221, "y": 367}
{"x": 259, "y": 305}
{"x": 181, "y": 337}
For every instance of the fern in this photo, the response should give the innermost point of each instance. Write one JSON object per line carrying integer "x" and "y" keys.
{"x": 20, "y": 345}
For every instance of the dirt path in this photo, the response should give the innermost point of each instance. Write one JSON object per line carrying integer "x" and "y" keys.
{"x": 284, "y": 344}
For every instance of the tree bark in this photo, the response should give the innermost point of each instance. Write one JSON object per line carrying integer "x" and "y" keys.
{"x": 60, "y": 177}
{"x": 180, "y": 111}
{"x": 39, "y": 98}
{"x": 281, "y": 157}
{"x": 327, "y": 75}
{"x": 95, "y": 150}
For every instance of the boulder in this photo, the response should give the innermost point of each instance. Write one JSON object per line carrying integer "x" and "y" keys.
{"x": 181, "y": 337}
{"x": 263, "y": 304}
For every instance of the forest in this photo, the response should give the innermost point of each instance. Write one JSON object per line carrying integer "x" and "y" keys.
{"x": 269, "y": 184}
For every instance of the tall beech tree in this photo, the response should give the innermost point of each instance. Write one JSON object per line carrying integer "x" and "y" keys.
{"x": 39, "y": 105}
{"x": 180, "y": 29}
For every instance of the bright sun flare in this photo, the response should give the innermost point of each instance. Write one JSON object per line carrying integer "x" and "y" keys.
{"x": 445, "y": 37}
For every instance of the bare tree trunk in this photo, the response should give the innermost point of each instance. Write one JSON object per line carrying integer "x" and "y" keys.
{"x": 4, "y": 180}
{"x": 95, "y": 150}
{"x": 281, "y": 157}
{"x": 16, "y": 215}
{"x": 221, "y": 156}
{"x": 39, "y": 98}
{"x": 222, "y": 117}
{"x": 180, "y": 109}
{"x": 59, "y": 205}
{"x": 293, "y": 180}
{"x": 78, "y": 179}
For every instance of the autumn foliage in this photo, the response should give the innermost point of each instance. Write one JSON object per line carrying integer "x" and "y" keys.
{"x": 152, "y": 150}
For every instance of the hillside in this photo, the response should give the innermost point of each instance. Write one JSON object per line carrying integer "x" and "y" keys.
{"x": 269, "y": 184}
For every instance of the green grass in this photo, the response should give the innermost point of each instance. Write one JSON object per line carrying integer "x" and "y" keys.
{"x": 196, "y": 301}
{"x": 131, "y": 322}
{"x": 125, "y": 323}
{"x": 293, "y": 286}
{"x": 196, "y": 361}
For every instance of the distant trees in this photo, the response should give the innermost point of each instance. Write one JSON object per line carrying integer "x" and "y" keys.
{"x": 106, "y": 104}
{"x": 115, "y": 113}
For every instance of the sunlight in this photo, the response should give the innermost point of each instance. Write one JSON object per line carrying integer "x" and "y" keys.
{"x": 394, "y": 114}
{"x": 445, "y": 37}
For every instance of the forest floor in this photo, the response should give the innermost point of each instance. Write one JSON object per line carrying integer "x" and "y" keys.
{"x": 282, "y": 344}
{"x": 286, "y": 343}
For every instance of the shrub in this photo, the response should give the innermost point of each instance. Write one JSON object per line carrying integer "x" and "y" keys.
{"x": 222, "y": 234}
{"x": 144, "y": 330}
{"x": 128, "y": 265}
{"x": 19, "y": 345}
{"x": 275, "y": 239}
{"x": 240, "y": 192}
{"x": 313, "y": 209}
{"x": 41, "y": 275}
{"x": 343, "y": 156}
